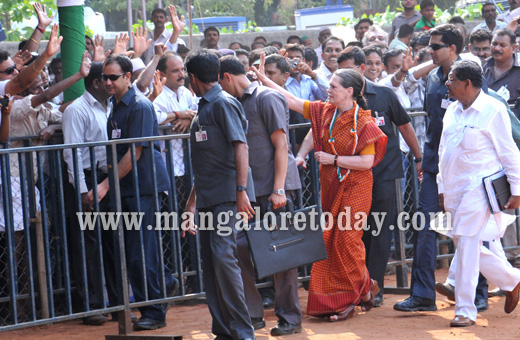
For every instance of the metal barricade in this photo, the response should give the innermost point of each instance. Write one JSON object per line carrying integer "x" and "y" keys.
{"x": 47, "y": 266}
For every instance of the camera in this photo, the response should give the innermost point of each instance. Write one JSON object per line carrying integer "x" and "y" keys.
{"x": 4, "y": 101}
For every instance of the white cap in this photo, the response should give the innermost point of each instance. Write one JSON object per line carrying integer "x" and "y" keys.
{"x": 137, "y": 64}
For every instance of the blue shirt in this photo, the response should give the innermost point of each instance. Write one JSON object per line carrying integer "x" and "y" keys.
{"x": 308, "y": 89}
{"x": 135, "y": 117}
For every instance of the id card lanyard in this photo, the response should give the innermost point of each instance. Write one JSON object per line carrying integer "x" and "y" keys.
{"x": 353, "y": 132}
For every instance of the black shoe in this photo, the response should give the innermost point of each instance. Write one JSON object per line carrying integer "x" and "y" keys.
{"x": 146, "y": 324}
{"x": 414, "y": 304}
{"x": 170, "y": 292}
{"x": 378, "y": 300}
{"x": 116, "y": 318}
{"x": 268, "y": 302}
{"x": 258, "y": 323}
{"x": 481, "y": 304}
{"x": 445, "y": 289}
{"x": 95, "y": 320}
{"x": 285, "y": 328}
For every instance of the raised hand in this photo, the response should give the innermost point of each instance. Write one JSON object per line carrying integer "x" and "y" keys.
{"x": 21, "y": 58}
{"x": 408, "y": 61}
{"x": 54, "y": 41}
{"x": 159, "y": 49}
{"x": 84, "y": 69}
{"x": 120, "y": 46}
{"x": 99, "y": 48}
{"x": 178, "y": 25}
{"x": 43, "y": 19}
{"x": 140, "y": 42}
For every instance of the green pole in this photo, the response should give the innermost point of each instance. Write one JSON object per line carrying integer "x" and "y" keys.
{"x": 72, "y": 28}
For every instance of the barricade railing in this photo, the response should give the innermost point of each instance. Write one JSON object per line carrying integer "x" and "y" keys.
{"x": 49, "y": 274}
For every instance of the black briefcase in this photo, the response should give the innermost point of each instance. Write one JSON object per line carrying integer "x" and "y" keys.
{"x": 286, "y": 240}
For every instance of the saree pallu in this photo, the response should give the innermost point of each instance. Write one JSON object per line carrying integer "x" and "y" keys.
{"x": 342, "y": 279}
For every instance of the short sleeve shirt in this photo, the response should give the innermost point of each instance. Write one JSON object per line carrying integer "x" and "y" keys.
{"x": 389, "y": 113}
{"x": 222, "y": 121}
{"x": 134, "y": 117}
{"x": 400, "y": 20}
{"x": 267, "y": 111}
{"x": 509, "y": 79}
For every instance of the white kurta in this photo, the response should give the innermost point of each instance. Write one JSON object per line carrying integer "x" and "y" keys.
{"x": 475, "y": 143}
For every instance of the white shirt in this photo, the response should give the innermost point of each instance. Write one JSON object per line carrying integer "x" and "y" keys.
{"x": 164, "y": 38}
{"x": 85, "y": 120}
{"x": 3, "y": 83}
{"x": 308, "y": 89}
{"x": 318, "y": 52}
{"x": 498, "y": 25}
{"x": 169, "y": 101}
{"x": 507, "y": 16}
{"x": 324, "y": 71}
{"x": 403, "y": 99}
{"x": 475, "y": 143}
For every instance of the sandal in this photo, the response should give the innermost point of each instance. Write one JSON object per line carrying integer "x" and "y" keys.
{"x": 367, "y": 305}
{"x": 344, "y": 315}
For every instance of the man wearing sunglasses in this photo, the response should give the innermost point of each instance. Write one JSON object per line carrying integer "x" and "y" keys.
{"x": 133, "y": 116}
{"x": 7, "y": 66}
{"x": 445, "y": 47}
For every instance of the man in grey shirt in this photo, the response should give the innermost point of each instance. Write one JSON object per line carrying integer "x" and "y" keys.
{"x": 274, "y": 170}
{"x": 410, "y": 17}
{"x": 222, "y": 186}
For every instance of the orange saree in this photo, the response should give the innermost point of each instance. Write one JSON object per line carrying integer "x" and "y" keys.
{"x": 342, "y": 279}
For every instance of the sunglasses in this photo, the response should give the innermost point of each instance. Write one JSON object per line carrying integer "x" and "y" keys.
{"x": 10, "y": 70}
{"x": 111, "y": 77}
{"x": 437, "y": 47}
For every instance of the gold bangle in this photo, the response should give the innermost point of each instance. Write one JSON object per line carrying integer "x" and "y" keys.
{"x": 37, "y": 43}
{"x": 34, "y": 68}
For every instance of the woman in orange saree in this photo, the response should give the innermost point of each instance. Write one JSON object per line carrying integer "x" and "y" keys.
{"x": 347, "y": 144}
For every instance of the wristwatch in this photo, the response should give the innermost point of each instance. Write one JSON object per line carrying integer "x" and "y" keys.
{"x": 241, "y": 188}
{"x": 279, "y": 192}
{"x": 417, "y": 160}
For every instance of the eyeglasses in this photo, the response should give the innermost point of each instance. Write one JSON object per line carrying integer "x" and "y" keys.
{"x": 478, "y": 49}
{"x": 10, "y": 70}
{"x": 337, "y": 50}
{"x": 437, "y": 47}
{"x": 111, "y": 77}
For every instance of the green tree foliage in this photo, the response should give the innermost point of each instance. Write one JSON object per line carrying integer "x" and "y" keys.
{"x": 16, "y": 11}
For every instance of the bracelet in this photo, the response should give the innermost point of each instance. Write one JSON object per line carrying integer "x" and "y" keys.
{"x": 34, "y": 68}
{"x": 397, "y": 80}
{"x": 34, "y": 40}
{"x": 417, "y": 160}
{"x": 336, "y": 160}
{"x": 176, "y": 114}
{"x": 40, "y": 29}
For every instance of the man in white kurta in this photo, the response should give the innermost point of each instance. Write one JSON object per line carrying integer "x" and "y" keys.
{"x": 476, "y": 142}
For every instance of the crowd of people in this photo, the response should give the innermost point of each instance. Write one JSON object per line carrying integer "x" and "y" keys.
{"x": 237, "y": 103}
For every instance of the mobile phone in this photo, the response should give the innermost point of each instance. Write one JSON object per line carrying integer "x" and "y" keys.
{"x": 294, "y": 63}
{"x": 4, "y": 101}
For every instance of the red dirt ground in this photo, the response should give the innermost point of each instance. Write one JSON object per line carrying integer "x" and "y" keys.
{"x": 194, "y": 322}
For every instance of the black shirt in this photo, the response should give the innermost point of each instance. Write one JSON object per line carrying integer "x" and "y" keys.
{"x": 389, "y": 113}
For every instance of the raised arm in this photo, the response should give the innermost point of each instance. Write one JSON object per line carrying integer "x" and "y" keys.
{"x": 43, "y": 22}
{"x": 295, "y": 103}
{"x": 146, "y": 77}
{"x": 178, "y": 26}
{"x": 26, "y": 76}
{"x": 58, "y": 88}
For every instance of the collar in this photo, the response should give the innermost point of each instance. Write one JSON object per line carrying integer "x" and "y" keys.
{"x": 127, "y": 98}
{"x": 369, "y": 87}
{"x": 303, "y": 78}
{"x": 252, "y": 87}
{"x": 325, "y": 68}
{"x": 478, "y": 104}
{"x": 164, "y": 34}
{"x": 93, "y": 101}
{"x": 212, "y": 93}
